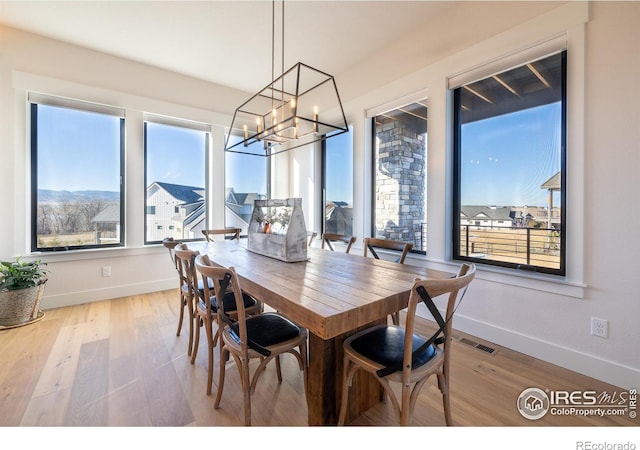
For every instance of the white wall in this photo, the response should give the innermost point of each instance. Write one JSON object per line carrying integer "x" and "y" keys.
{"x": 547, "y": 319}
{"x": 542, "y": 316}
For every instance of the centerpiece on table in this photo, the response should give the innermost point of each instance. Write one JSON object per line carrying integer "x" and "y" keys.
{"x": 277, "y": 229}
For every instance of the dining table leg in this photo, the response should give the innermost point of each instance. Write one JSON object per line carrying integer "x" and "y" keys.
{"x": 324, "y": 383}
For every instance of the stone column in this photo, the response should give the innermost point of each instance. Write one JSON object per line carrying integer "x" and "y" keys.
{"x": 400, "y": 186}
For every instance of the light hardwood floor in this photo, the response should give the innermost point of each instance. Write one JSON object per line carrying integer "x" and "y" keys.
{"x": 119, "y": 363}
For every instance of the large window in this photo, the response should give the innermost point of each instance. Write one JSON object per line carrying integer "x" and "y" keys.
{"x": 77, "y": 195}
{"x": 337, "y": 178}
{"x": 509, "y": 167}
{"x": 246, "y": 179}
{"x": 175, "y": 177}
{"x": 400, "y": 183}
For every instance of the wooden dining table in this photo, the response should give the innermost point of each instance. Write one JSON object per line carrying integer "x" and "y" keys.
{"x": 333, "y": 295}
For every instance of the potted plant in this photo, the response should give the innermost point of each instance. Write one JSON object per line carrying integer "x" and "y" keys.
{"x": 21, "y": 288}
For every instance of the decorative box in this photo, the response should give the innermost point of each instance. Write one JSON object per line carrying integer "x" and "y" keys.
{"x": 277, "y": 229}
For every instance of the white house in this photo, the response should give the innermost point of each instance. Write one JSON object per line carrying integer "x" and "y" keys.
{"x": 486, "y": 216}
{"x": 176, "y": 211}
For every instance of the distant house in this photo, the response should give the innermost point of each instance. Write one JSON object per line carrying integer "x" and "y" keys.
{"x": 486, "y": 216}
{"x": 339, "y": 218}
{"x": 174, "y": 210}
{"x": 530, "y": 216}
{"x": 106, "y": 224}
{"x": 507, "y": 216}
{"x": 239, "y": 207}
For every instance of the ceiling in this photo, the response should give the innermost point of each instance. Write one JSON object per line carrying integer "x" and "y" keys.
{"x": 226, "y": 42}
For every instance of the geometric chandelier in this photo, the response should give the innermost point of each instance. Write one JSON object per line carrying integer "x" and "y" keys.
{"x": 299, "y": 107}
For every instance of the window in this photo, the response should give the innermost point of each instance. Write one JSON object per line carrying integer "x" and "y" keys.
{"x": 77, "y": 195}
{"x": 246, "y": 179}
{"x": 175, "y": 177}
{"x": 337, "y": 179}
{"x": 400, "y": 182}
{"x": 509, "y": 167}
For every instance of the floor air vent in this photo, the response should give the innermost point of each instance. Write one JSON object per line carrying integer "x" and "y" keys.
{"x": 480, "y": 347}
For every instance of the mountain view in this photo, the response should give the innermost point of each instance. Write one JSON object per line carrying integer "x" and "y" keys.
{"x": 48, "y": 196}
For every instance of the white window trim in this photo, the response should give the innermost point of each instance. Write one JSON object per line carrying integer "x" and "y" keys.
{"x": 133, "y": 107}
{"x": 572, "y": 283}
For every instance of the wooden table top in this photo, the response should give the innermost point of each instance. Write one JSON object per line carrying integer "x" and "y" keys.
{"x": 330, "y": 294}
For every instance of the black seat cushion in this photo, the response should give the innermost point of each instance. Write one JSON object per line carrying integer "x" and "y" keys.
{"x": 270, "y": 329}
{"x": 230, "y": 302}
{"x": 385, "y": 345}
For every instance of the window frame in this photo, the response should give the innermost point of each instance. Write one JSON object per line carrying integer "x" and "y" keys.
{"x": 33, "y": 101}
{"x": 456, "y": 175}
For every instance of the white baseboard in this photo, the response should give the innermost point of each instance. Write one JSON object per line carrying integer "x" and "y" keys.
{"x": 94, "y": 295}
{"x": 607, "y": 371}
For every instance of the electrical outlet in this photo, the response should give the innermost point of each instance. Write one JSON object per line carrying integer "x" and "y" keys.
{"x": 106, "y": 271}
{"x": 600, "y": 327}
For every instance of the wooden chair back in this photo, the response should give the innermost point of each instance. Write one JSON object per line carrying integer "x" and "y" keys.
{"x": 226, "y": 233}
{"x": 170, "y": 244}
{"x": 455, "y": 288}
{"x": 312, "y": 236}
{"x": 214, "y": 275}
{"x": 328, "y": 238}
{"x": 371, "y": 244}
{"x": 188, "y": 278}
{"x": 185, "y": 258}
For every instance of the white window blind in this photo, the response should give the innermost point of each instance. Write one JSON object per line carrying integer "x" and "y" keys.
{"x": 183, "y": 123}
{"x": 62, "y": 102}
{"x": 503, "y": 63}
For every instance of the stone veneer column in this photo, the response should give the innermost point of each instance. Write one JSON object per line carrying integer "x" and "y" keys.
{"x": 400, "y": 186}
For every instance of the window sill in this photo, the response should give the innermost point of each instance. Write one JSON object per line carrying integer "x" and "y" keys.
{"x": 528, "y": 280}
{"x": 96, "y": 253}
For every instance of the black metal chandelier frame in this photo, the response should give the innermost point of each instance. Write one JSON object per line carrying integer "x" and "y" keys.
{"x": 285, "y": 114}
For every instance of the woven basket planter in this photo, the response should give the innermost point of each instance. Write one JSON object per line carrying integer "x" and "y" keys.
{"x": 21, "y": 306}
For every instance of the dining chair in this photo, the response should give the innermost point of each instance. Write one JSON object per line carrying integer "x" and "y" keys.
{"x": 205, "y": 307}
{"x": 262, "y": 336}
{"x": 184, "y": 266}
{"x": 370, "y": 246}
{"x": 312, "y": 236}
{"x": 392, "y": 353}
{"x": 170, "y": 244}
{"x": 328, "y": 238}
{"x": 227, "y": 233}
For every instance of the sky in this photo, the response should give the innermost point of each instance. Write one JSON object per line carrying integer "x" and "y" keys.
{"x": 175, "y": 155}
{"x": 80, "y": 151}
{"x": 339, "y": 168}
{"x": 77, "y": 150}
{"x": 246, "y": 173}
{"x": 506, "y": 158}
